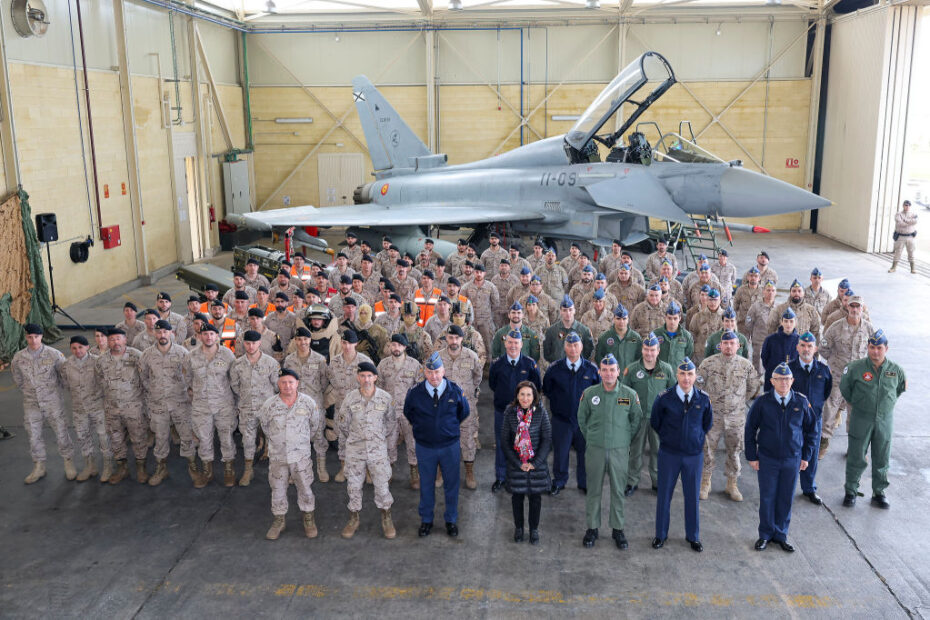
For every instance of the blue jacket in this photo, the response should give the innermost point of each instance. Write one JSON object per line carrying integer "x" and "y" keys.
{"x": 777, "y": 348}
{"x": 816, "y": 386}
{"x": 564, "y": 388}
{"x": 435, "y": 426}
{"x": 682, "y": 432}
{"x": 503, "y": 378}
{"x": 778, "y": 434}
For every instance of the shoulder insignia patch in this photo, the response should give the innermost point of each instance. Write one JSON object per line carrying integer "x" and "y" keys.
{"x": 866, "y": 376}
{"x": 595, "y": 400}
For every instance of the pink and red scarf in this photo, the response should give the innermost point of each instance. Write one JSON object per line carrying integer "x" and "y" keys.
{"x": 522, "y": 442}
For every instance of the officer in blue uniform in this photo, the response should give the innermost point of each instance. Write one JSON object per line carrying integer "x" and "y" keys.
{"x": 813, "y": 379}
{"x": 782, "y": 346}
{"x": 564, "y": 382}
{"x": 681, "y": 416}
{"x": 781, "y": 435}
{"x": 435, "y": 409}
{"x": 506, "y": 372}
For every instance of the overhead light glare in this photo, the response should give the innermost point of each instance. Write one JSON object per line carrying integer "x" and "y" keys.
{"x": 286, "y": 121}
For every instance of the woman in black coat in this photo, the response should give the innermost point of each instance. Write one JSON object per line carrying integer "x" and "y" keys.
{"x": 526, "y": 437}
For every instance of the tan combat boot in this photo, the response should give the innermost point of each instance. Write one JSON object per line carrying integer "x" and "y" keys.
{"x": 161, "y": 472}
{"x": 733, "y": 490}
{"x": 824, "y": 446}
{"x": 192, "y": 469}
{"x": 206, "y": 477}
{"x": 705, "y": 484}
{"x": 894, "y": 266}
{"x": 387, "y": 525}
{"x": 37, "y": 473}
{"x": 309, "y": 525}
{"x": 121, "y": 473}
{"x": 277, "y": 526}
{"x": 229, "y": 474}
{"x": 247, "y": 474}
{"x": 414, "y": 478}
{"x": 70, "y": 471}
{"x": 107, "y": 469}
{"x": 470, "y": 482}
{"x": 341, "y": 474}
{"x": 89, "y": 471}
{"x": 352, "y": 526}
{"x": 141, "y": 476}
{"x": 321, "y": 473}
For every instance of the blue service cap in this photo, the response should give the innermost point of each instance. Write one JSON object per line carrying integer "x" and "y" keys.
{"x": 796, "y": 283}
{"x": 769, "y": 283}
{"x": 789, "y": 314}
{"x": 816, "y": 272}
{"x": 844, "y": 283}
{"x": 782, "y": 370}
{"x": 729, "y": 313}
{"x": 598, "y": 294}
{"x": 849, "y": 293}
{"x": 655, "y": 287}
{"x": 609, "y": 360}
{"x": 728, "y": 335}
{"x": 551, "y": 249}
{"x": 620, "y": 312}
{"x": 572, "y": 337}
{"x": 525, "y": 271}
{"x": 651, "y": 340}
{"x": 535, "y": 278}
{"x": 434, "y": 362}
{"x": 878, "y": 338}
{"x": 531, "y": 299}
{"x": 703, "y": 256}
{"x": 516, "y": 306}
{"x": 754, "y": 270}
{"x": 516, "y": 334}
{"x": 673, "y": 308}
{"x": 588, "y": 269}
{"x": 600, "y": 276}
{"x": 662, "y": 279}
{"x": 705, "y": 288}
{"x": 567, "y": 302}
{"x": 624, "y": 267}
{"x": 686, "y": 364}
{"x": 704, "y": 266}
{"x": 808, "y": 337}
{"x": 713, "y": 294}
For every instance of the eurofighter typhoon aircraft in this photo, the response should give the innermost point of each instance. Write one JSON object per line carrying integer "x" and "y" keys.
{"x": 556, "y": 188}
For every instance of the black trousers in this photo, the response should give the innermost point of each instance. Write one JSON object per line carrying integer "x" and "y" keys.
{"x": 535, "y": 506}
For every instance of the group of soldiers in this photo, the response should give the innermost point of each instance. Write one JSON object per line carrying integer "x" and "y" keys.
{"x": 326, "y": 358}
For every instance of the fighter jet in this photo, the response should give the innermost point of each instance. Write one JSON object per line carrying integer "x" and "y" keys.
{"x": 586, "y": 185}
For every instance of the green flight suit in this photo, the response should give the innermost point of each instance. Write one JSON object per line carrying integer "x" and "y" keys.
{"x": 553, "y": 347}
{"x": 673, "y": 350}
{"x": 713, "y": 345}
{"x": 871, "y": 394}
{"x": 648, "y": 386}
{"x": 627, "y": 349}
{"x": 530, "y": 342}
{"x": 608, "y": 420}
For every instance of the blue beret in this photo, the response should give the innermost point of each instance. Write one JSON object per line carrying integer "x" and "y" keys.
{"x": 572, "y": 337}
{"x": 600, "y": 276}
{"x": 729, "y": 313}
{"x": 673, "y": 308}
{"x": 567, "y": 302}
{"x": 796, "y": 283}
{"x": 599, "y": 294}
{"x": 849, "y": 293}
{"x": 535, "y": 279}
{"x": 686, "y": 364}
{"x": 516, "y": 334}
{"x": 655, "y": 287}
{"x": 609, "y": 360}
{"x": 754, "y": 270}
{"x": 434, "y": 362}
{"x": 789, "y": 314}
{"x": 728, "y": 335}
{"x": 808, "y": 337}
{"x": 782, "y": 370}
{"x": 816, "y": 272}
{"x": 713, "y": 294}
{"x": 844, "y": 283}
{"x": 525, "y": 271}
{"x": 620, "y": 312}
{"x": 878, "y": 338}
{"x": 651, "y": 340}
{"x": 588, "y": 269}
{"x": 531, "y": 299}
{"x": 516, "y": 306}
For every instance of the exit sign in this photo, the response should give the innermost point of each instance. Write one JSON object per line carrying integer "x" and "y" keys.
{"x": 791, "y": 162}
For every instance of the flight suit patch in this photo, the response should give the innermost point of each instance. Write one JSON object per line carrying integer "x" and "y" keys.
{"x": 890, "y": 373}
{"x": 623, "y": 401}
{"x": 866, "y": 376}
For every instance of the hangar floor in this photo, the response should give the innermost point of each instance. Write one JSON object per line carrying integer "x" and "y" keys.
{"x": 92, "y": 550}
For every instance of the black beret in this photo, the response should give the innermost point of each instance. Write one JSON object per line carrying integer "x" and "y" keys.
{"x": 209, "y": 327}
{"x": 287, "y": 372}
{"x": 455, "y": 330}
{"x": 79, "y": 339}
{"x": 262, "y": 289}
{"x": 400, "y": 339}
{"x": 238, "y": 274}
{"x": 252, "y": 261}
{"x": 193, "y": 298}
{"x": 129, "y": 304}
{"x": 303, "y": 332}
{"x": 367, "y": 367}
{"x": 344, "y": 279}
{"x": 116, "y": 331}
{"x": 251, "y": 336}
{"x": 349, "y": 301}
{"x": 256, "y": 312}
{"x": 242, "y": 295}
{"x": 350, "y": 336}
{"x": 162, "y": 324}
{"x": 164, "y": 296}
{"x": 32, "y": 328}
{"x": 208, "y": 287}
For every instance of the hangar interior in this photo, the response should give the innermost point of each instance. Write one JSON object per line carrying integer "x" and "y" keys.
{"x": 142, "y": 123}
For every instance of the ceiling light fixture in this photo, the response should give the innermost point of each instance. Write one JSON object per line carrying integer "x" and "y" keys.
{"x": 593, "y": 4}
{"x": 718, "y": 29}
{"x": 270, "y": 5}
{"x": 455, "y": 5}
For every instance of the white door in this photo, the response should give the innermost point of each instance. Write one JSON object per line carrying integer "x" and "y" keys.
{"x": 190, "y": 246}
{"x": 339, "y": 175}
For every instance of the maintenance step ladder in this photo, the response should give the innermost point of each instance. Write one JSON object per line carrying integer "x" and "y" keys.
{"x": 694, "y": 240}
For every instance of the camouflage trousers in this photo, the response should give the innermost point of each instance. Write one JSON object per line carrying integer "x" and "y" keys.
{"x": 486, "y": 328}
{"x": 248, "y": 426}
{"x": 160, "y": 421}
{"x": 380, "y": 470}
{"x": 405, "y": 434}
{"x": 757, "y": 358}
{"x": 203, "y": 424}
{"x": 86, "y": 424}
{"x": 130, "y": 420}
{"x": 301, "y": 473}
{"x": 731, "y": 426}
{"x": 34, "y": 418}
{"x": 468, "y": 432}
{"x": 833, "y": 410}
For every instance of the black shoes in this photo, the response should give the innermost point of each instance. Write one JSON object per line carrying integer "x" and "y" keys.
{"x": 555, "y": 490}
{"x": 589, "y": 537}
{"x": 785, "y": 545}
{"x": 584, "y": 490}
{"x": 696, "y": 545}
{"x": 452, "y": 529}
{"x": 518, "y": 534}
{"x": 658, "y": 543}
{"x": 761, "y": 544}
{"x": 814, "y": 498}
{"x": 620, "y": 539}
{"x": 630, "y": 490}
{"x": 534, "y": 537}
{"x": 497, "y": 486}
{"x": 655, "y": 488}
{"x": 880, "y": 501}
{"x": 425, "y": 529}
{"x": 849, "y": 500}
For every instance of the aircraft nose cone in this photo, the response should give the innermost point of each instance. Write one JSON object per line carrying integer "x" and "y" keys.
{"x": 744, "y": 193}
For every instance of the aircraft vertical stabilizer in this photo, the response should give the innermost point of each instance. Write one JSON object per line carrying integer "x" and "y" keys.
{"x": 390, "y": 141}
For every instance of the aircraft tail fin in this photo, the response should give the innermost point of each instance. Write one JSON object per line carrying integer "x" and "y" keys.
{"x": 391, "y": 142}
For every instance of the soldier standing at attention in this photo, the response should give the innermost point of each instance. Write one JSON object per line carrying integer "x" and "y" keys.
{"x": 397, "y": 373}
{"x": 290, "y": 420}
{"x": 675, "y": 342}
{"x": 312, "y": 367}
{"x": 654, "y": 262}
{"x": 871, "y": 386}
{"x": 492, "y": 256}
{"x": 756, "y": 322}
{"x": 780, "y": 347}
{"x": 253, "y": 378}
{"x": 905, "y": 229}
{"x": 726, "y": 274}
{"x": 131, "y": 325}
{"x": 341, "y": 374}
{"x": 178, "y": 325}
{"x": 647, "y": 316}
{"x": 35, "y": 372}
{"x": 730, "y": 381}
{"x": 464, "y": 368}
{"x": 484, "y": 299}
{"x": 650, "y": 377}
{"x": 609, "y": 416}
{"x": 780, "y": 441}
{"x": 78, "y": 377}
{"x": 555, "y": 336}
{"x": 620, "y": 341}
{"x": 366, "y": 425}
{"x": 813, "y": 379}
{"x": 815, "y": 294}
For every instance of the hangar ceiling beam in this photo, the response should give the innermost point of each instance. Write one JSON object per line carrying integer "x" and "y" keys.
{"x": 426, "y": 7}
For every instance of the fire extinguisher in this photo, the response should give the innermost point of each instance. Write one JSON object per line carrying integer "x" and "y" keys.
{"x": 212, "y": 214}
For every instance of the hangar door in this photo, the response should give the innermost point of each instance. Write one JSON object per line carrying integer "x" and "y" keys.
{"x": 339, "y": 175}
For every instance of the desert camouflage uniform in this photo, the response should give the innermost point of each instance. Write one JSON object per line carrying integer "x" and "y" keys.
{"x": 284, "y": 326}
{"x": 726, "y": 274}
{"x": 131, "y": 332}
{"x": 342, "y": 380}
{"x": 143, "y": 341}
{"x": 630, "y": 296}
{"x": 554, "y": 280}
{"x": 269, "y": 339}
{"x": 598, "y": 324}
{"x": 178, "y": 326}
{"x": 808, "y": 319}
{"x": 491, "y": 258}
{"x": 122, "y": 402}
{"x": 366, "y": 426}
{"x": 253, "y": 384}
{"x": 37, "y": 376}
{"x": 465, "y": 370}
{"x": 213, "y": 403}
{"x": 79, "y": 378}
{"x": 314, "y": 381}
{"x": 484, "y": 299}
{"x": 166, "y": 380}
{"x": 290, "y": 431}
{"x": 756, "y": 322}
{"x": 818, "y": 299}
{"x": 841, "y": 344}
{"x": 706, "y": 322}
{"x": 396, "y": 376}
{"x": 654, "y": 264}
{"x": 743, "y": 299}
{"x": 645, "y": 318}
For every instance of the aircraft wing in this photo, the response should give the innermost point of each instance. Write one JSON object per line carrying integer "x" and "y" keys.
{"x": 637, "y": 192}
{"x": 377, "y": 215}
